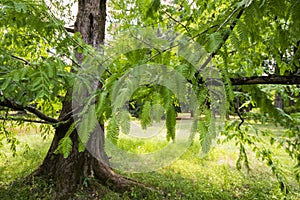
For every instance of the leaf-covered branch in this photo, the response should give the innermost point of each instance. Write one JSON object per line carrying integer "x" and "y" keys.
{"x": 225, "y": 37}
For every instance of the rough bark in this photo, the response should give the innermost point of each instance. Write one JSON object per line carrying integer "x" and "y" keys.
{"x": 69, "y": 173}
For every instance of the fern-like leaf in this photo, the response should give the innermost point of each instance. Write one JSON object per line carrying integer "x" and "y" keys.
{"x": 113, "y": 131}
{"x": 87, "y": 125}
{"x": 64, "y": 146}
{"x": 145, "y": 115}
{"x": 214, "y": 41}
{"x": 123, "y": 119}
{"x": 81, "y": 146}
{"x": 171, "y": 124}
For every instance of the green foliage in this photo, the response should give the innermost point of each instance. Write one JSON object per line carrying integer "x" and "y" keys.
{"x": 35, "y": 62}
{"x": 145, "y": 115}
{"x": 87, "y": 124}
{"x": 214, "y": 41}
{"x": 103, "y": 108}
{"x": 171, "y": 123}
{"x": 256, "y": 140}
{"x": 9, "y": 137}
{"x": 64, "y": 146}
{"x": 157, "y": 110}
{"x": 153, "y": 8}
{"x": 37, "y": 68}
{"x": 31, "y": 74}
{"x": 112, "y": 129}
{"x": 190, "y": 177}
{"x": 123, "y": 119}
{"x": 205, "y": 129}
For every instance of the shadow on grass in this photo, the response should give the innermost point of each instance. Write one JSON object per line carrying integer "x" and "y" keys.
{"x": 189, "y": 177}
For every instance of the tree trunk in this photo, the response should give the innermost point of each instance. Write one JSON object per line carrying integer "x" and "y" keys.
{"x": 278, "y": 102}
{"x": 69, "y": 173}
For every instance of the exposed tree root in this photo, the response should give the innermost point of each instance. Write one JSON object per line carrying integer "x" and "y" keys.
{"x": 69, "y": 174}
{"x": 65, "y": 187}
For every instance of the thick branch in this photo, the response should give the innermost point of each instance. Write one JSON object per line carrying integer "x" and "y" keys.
{"x": 10, "y": 104}
{"x": 24, "y": 120}
{"x": 272, "y": 79}
{"x": 41, "y": 115}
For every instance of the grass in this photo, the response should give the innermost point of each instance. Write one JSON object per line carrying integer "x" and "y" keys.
{"x": 189, "y": 177}
{"x": 30, "y": 152}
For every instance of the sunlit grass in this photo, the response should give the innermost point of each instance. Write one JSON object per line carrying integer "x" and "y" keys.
{"x": 215, "y": 177}
{"x": 30, "y": 152}
{"x": 191, "y": 176}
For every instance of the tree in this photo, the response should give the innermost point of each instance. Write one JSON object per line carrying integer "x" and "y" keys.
{"x": 39, "y": 67}
{"x": 253, "y": 44}
{"x": 67, "y": 171}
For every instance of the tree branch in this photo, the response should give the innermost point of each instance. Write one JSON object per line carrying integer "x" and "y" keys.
{"x": 10, "y": 104}
{"x": 41, "y": 115}
{"x": 254, "y": 80}
{"x": 178, "y": 22}
{"x": 70, "y": 30}
{"x": 226, "y": 36}
{"x": 24, "y": 120}
{"x": 271, "y": 79}
{"x": 22, "y": 59}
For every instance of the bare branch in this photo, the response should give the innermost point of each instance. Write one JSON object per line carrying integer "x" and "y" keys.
{"x": 271, "y": 79}
{"x": 24, "y": 120}
{"x": 22, "y": 59}
{"x": 41, "y": 115}
{"x": 204, "y": 31}
{"x": 10, "y": 104}
{"x": 264, "y": 80}
{"x": 227, "y": 19}
{"x": 178, "y": 22}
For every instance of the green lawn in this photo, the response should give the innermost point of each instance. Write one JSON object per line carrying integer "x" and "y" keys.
{"x": 189, "y": 177}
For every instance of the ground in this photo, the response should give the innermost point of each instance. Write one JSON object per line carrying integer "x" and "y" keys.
{"x": 189, "y": 177}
